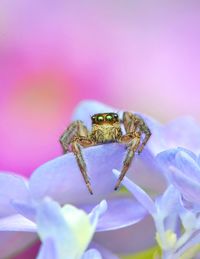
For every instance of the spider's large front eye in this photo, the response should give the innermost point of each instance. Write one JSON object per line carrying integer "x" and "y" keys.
{"x": 100, "y": 118}
{"x": 109, "y": 117}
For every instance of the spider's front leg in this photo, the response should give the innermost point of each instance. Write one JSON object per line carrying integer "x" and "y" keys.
{"x": 75, "y": 137}
{"x": 136, "y": 137}
{"x": 133, "y": 142}
{"x": 76, "y": 149}
{"x": 76, "y": 128}
{"x": 135, "y": 123}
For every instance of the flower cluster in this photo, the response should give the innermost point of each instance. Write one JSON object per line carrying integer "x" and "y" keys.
{"x": 54, "y": 203}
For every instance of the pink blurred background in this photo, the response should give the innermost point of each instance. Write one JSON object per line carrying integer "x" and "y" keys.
{"x": 137, "y": 55}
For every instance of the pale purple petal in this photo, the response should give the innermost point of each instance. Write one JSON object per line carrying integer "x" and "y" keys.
{"x": 146, "y": 173}
{"x": 48, "y": 250}
{"x": 17, "y": 223}
{"x": 138, "y": 193}
{"x": 188, "y": 219}
{"x": 12, "y": 187}
{"x": 172, "y": 222}
{"x": 121, "y": 212}
{"x": 128, "y": 240}
{"x": 198, "y": 160}
{"x": 16, "y": 242}
{"x": 97, "y": 212}
{"x": 50, "y": 222}
{"x": 27, "y": 210}
{"x": 92, "y": 254}
{"x": 188, "y": 166}
{"x": 61, "y": 178}
{"x": 181, "y": 132}
{"x": 193, "y": 241}
{"x": 186, "y": 185}
{"x": 184, "y": 132}
{"x": 106, "y": 254}
{"x": 169, "y": 202}
{"x": 168, "y": 157}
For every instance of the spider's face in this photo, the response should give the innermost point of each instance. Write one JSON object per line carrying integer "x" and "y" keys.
{"x": 105, "y": 119}
{"x": 105, "y": 127}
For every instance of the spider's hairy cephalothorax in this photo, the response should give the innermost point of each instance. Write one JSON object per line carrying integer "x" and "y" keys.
{"x": 106, "y": 128}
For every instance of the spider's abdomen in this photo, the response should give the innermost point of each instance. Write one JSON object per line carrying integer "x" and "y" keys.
{"x": 106, "y": 133}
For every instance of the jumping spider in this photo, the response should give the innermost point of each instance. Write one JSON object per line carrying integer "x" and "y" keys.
{"x": 106, "y": 128}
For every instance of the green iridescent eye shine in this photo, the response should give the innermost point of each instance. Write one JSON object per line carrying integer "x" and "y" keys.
{"x": 100, "y": 118}
{"x": 109, "y": 117}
